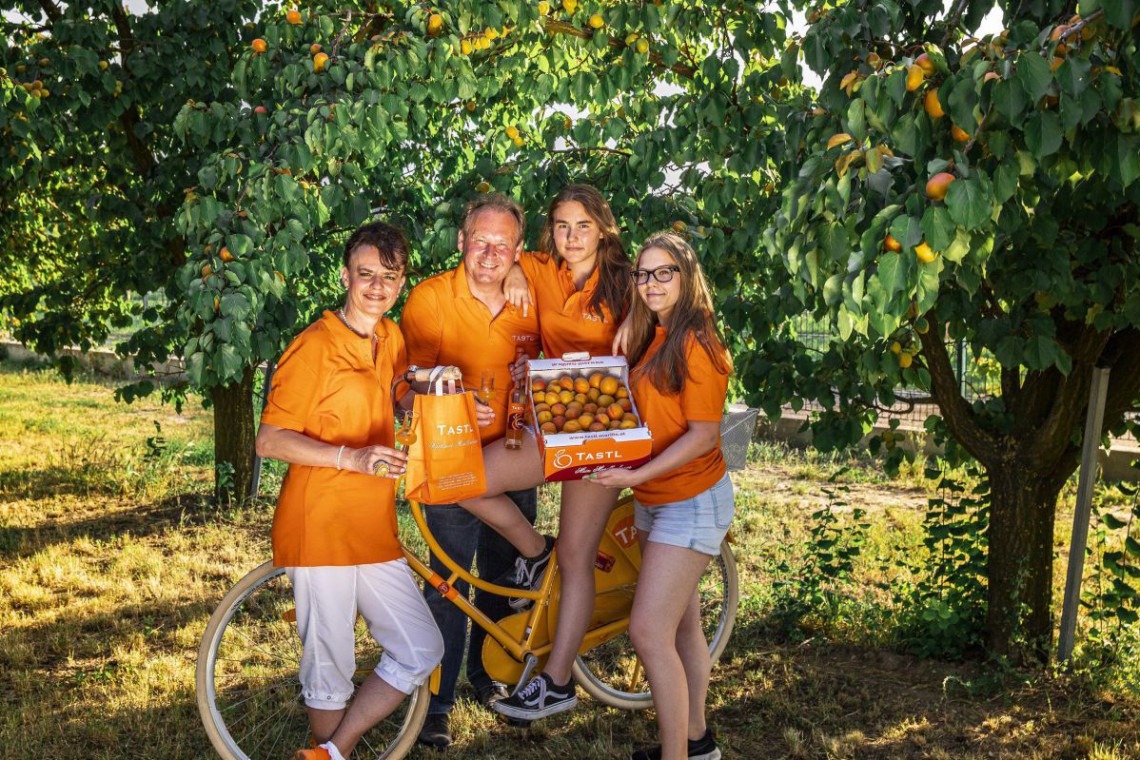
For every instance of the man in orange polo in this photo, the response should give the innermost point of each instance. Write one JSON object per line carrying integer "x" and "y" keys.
{"x": 461, "y": 318}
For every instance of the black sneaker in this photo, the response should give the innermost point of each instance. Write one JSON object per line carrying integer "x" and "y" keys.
{"x": 528, "y": 574}
{"x": 538, "y": 699}
{"x": 436, "y": 731}
{"x": 702, "y": 749}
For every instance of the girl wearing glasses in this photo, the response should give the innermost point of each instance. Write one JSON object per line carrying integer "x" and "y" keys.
{"x": 683, "y": 497}
{"x": 582, "y": 291}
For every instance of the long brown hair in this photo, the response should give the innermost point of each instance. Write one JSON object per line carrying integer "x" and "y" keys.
{"x": 615, "y": 288}
{"x": 691, "y": 319}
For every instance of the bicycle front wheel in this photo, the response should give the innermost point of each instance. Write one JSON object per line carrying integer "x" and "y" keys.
{"x": 249, "y": 696}
{"x": 612, "y": 672}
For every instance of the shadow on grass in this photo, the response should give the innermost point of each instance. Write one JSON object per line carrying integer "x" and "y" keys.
{"x": 772, "y": 698}
{"x": 173, "y": 512}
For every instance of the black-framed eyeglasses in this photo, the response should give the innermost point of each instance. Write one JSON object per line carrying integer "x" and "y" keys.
{"x": 661, "y": 274}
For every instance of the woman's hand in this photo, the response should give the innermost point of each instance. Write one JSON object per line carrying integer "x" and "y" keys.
{"x": 621, "y": 337}
{"x": 617, "y": 477}
{"x": 484, "y": 415}
{"x": 517, "y": 289}
{"x": 375, "y": 460}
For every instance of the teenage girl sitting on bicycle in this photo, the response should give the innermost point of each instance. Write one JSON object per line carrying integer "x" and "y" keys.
{"x": 329, "y": 415}
{"x": 582, "y": 290}
{"x": 683, "y": 497}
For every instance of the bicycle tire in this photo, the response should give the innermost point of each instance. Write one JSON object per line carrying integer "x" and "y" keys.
{"x": 247, "y": 671}
{"x": 598, "y": 670}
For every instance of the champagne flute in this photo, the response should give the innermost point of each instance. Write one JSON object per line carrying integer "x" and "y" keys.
{"x": 406, "y": 435}
{"x": 486, "y": 391}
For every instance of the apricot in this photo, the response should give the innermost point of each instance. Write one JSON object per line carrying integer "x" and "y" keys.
{"x": 622, "y": 392}
{"x": 923, "y": 62}
{"x": 566, "y": 382}
{"x": 615, "y": 424}
{"x": 604, "y": 401}
{"x": 596, "y": 427}
{"x": 551, "y": 398}
{"x": 537, "y": 384}
{"x": 581, "y": 398}
{"x": 557, "y": 409}
{"x": 959, "y": 134}
{"x": 585, "y": 419}
{"x": 924, "y": 253}
{"x": 573, "y": 411}
{"x": 914, "y": 77}
{"x": 625, "y": 404}
{"x": 541, "y": 408}
{"x": 627, "y": 424}
{"x": 559, "y": 421}
{"x": 572, "y": 426}
{"x": 589, "y": 407}
{"x": 581, "y": 385}
{"x": 596, "y": 379}
{"x": 938, "y": 185}
{"x": 629, "y": 417}
{"x": 933, "y": 105}
{"x": 544, "y": 416}
{"x": 891, "y": 244}
{"x": 603, "y": 418}
{"x": 259, "y": 45}
{"x": 566, "y": 396}
{"x": 548, "y": 428}
{"x": 608, "y": 386}
{"x": 615, "y": 411}
{"x": 593, "y": 394}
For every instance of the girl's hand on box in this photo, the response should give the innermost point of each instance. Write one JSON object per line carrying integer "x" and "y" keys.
{"x": 617, "y": 478}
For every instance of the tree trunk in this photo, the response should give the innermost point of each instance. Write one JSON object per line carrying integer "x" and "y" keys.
{"x": 1019, "y": 566}
{"x": 233, "y": 441}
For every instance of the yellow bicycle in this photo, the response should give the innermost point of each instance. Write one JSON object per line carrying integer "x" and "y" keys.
{"x": 249, "y": 697}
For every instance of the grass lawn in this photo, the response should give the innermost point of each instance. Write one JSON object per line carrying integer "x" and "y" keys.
{"x": 111, "y": 561}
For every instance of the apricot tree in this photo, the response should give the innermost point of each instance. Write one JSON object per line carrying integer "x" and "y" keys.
{"x": 950, "y": 187}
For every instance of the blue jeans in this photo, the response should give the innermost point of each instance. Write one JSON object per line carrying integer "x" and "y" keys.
{"x": 465, "y": 538}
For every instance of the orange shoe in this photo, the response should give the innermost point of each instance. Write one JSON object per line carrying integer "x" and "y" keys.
{"x": 319, "y": 753}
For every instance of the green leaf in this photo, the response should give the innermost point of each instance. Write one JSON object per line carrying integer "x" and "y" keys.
{"x": 1119, "y": 13}
{"x": 970, "y": 201}
{"x": 1009, "y": 99}
{"x": 1005, "y": 181}
{"x": 937, "y": 227}
{"x": 1034, "y": 74}
{"x": 1043, "y": 133}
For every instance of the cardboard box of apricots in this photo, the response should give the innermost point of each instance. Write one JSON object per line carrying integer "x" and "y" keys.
{"x": 584, "y": 416}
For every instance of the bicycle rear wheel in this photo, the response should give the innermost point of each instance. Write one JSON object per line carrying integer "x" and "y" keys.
{"x": 612, "y": 673}
{"x": 248, "y": 693}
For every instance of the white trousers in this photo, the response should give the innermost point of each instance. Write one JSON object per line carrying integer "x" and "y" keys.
{"x": 388, "y": 598}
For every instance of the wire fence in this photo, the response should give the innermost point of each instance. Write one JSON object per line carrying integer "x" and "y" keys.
{"x": 978, "y": 374}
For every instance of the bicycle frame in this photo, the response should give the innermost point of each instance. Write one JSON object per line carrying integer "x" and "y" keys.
{"x": 530, "y": 646}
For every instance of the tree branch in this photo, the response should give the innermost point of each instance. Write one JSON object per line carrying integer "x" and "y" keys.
{"x": 554, "y": 26}
{"x": 144, "y": 158}
{"x": 1069, "y": 401}
{"x": 960, "y": 418}
{"x": 51, "y": 10}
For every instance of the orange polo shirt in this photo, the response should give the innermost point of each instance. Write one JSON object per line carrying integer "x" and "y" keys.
{"x": 565, "y": 318}
{"x": 445, "y": 324}
{"x": 668, "y": 416}
{"x": 328, "y": 387}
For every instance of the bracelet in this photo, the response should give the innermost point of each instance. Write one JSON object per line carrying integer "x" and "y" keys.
{"x": 338, "y": 453}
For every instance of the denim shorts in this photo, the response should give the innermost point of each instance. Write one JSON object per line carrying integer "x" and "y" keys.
{"x": 699, "y": 523}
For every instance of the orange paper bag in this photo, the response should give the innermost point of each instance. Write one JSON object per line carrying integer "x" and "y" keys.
{"x": 445, "y": 464}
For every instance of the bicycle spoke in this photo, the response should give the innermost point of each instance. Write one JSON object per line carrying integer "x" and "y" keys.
{"x": 253, "y": 644}
{"x": 271, "y": 716}
{"x": 262, "y": 690}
